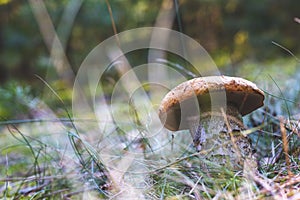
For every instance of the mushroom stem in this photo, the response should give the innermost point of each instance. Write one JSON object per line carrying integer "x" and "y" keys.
{"x": 211, "y": 132}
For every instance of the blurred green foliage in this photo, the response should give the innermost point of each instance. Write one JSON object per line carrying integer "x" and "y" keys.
{"x": 15, "y": 100}
{"x": 231, "y": 31}
{"x": 238, "y": 29}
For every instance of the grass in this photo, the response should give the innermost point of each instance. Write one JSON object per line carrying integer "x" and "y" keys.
{"x": 51, "y": 159}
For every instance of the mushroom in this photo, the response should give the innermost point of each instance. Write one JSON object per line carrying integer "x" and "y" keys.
{"x": 212, "y": 108}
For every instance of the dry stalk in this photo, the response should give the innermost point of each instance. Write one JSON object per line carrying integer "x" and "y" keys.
{"x": 231, "y": 134}
{"x": 285, "y": 147}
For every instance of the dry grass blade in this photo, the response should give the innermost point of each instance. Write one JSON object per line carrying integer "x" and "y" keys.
{"x": 187, "y": 181}
{"x": 269, "y": 187}
{"x": 288, "y": 189}
{"x": 231, "y": 134}
{"x": 292, "y": 180}
{"x": 112, "y": 21}
{"x": 285, "y": 147}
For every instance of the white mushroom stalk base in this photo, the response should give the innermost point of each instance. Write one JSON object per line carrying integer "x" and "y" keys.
{"x": 219, "y": 136}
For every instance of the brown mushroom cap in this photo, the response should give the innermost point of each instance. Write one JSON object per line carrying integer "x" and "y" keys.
{"x": 241, "y": 93}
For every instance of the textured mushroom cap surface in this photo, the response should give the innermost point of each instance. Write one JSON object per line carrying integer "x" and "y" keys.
{"x": 196, "y": 94}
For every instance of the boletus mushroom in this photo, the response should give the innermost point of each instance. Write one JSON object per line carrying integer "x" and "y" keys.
{"x": 212, "y": 108}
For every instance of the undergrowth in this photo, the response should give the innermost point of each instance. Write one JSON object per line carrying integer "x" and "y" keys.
{"x": 39, "y": 163}
{"x": 52, "y": 159}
